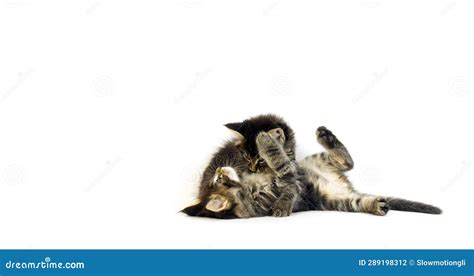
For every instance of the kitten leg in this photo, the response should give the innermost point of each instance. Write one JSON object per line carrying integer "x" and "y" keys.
{"x": 337, "y": 153}
{"x": 357, "y": 203}
{"x": 226, "y": 176}
{"x": 283, "y": 206}
{"x": 272, "y": 152}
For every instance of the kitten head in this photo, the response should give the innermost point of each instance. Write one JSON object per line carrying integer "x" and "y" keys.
{"x": 248, "y": 130}
{"x": 223, "y": 202}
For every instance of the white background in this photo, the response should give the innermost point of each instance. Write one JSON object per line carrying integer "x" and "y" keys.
{"x": 110, "y": 109}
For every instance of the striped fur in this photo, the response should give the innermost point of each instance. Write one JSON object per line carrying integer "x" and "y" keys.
{"x": 259, "y": 176}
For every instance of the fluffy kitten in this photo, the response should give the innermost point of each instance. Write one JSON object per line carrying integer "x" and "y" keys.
{"x": 257, "y": 175}
{"x": 262, "y": 161}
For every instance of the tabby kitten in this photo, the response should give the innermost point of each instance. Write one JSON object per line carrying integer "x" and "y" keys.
{"x": 257, "y": 175}
{"x": 262, "y": 161}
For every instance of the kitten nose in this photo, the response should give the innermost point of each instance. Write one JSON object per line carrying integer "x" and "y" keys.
{"x": 253, "y": 166}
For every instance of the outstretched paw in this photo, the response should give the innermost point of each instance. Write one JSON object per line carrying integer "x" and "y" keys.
{"x": 271, "y": 138}
{"x": 278, "y": 134}
{"x": 224, "y": 175}
{"x": 326, "y": 138}
{"x": 380, "y": 207}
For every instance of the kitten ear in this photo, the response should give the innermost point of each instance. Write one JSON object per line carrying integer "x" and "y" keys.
{"x": 193, "y": 210}
{"x": 218, "y": 204}
{"x": 237, "y": 127}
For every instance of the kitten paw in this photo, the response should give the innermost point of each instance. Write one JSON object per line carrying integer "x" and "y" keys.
{"x": 286, "y": 169}
{"x": 264, "y": 141}
{"x": 326, "y": 138}
{"x": 224, "y": 174}
{"x": 282, "y": 209}
{"x": 380, "y": 206}
{"x": 278, "y": 134}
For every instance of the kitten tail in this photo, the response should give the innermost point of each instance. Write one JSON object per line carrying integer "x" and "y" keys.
{"x": 412, "y": 206}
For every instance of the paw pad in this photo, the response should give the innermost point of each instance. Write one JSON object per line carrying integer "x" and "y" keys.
{"x": 326, "y": 137}
{"x": 381, "y": 207}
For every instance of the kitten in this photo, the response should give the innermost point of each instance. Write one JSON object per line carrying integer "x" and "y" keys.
{"x": 263, "y": 160}
{"x": 257, "y": 175}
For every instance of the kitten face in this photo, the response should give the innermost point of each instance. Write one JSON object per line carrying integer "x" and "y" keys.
{"x": 226, "y": 199}
{"x": 225, "y": 203}
{"x": 218, "y": 204}
{"x": 248, "y": 131}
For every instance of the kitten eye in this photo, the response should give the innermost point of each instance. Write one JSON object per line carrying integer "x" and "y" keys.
{"x": 228, "y": 184}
